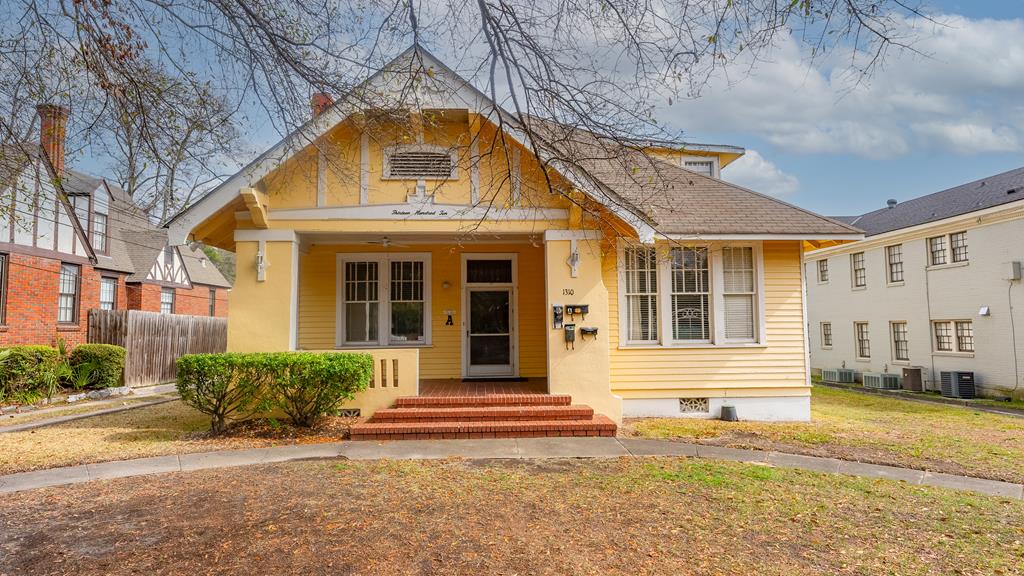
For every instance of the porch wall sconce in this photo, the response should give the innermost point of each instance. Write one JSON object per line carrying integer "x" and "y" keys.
{"x": 261, "y": 261}
{"x": 573, "y": 260}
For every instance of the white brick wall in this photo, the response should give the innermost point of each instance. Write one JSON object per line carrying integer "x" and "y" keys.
{"x": 942, "y": 293}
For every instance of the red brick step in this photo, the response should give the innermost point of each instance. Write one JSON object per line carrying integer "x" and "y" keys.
{"x": 484, "y": 400}
{"x": 483, "y": 413}
{"x": 598, "y": 425}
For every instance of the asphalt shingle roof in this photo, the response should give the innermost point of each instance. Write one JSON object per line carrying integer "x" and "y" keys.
{"x": 978, "y": 195}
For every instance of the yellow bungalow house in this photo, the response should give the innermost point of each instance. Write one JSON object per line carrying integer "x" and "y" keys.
{"x": 473, "y": 254}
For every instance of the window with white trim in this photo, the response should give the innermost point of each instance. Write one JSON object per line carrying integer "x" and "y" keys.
{"x": 384, "y": 299}
{"x": 705, "y": 167}
{"x": 900, "y": 343}
{"x": 691, "y": 290}
{"x": 641, "y": 289}
{"x": 894, "y": 262}
{"x": 943, "y": 336}
{"x": 937, "y": 251}
{"x": 860, "y": 273}
{"x": 958, "y": 244}
{"x": 690, "y": 295}
{"x": 167, "y": 300}
{"x": 739, "y": 292}
{"x": 826, "y": 334}
{"x": 862, "y": 339}
{"x": 823, "y": 270}
{"x": 964, "y": 335}
{"x": 100, "y": 209}
{"x": 68, "y": 293}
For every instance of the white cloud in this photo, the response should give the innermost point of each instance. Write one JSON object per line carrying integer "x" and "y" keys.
{"x": 959, "y": 93}
{"x": 757, "y": 173}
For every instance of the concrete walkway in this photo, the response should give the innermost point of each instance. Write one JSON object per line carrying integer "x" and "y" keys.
{"x": 491, "y": 449}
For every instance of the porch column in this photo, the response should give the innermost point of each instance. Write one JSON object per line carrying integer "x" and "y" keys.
{"x": 264, "y": 298}
{"x": 582, "y": 369}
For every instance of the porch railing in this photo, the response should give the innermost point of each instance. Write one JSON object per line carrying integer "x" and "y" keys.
{"x": 396, "y": 372}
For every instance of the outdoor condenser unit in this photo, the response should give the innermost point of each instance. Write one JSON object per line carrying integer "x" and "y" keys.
{"x": 830, "y": 375}
{"x": 847, "y": 376}
{"x": 882, "y": 381}
{"x": 957, "y": 384}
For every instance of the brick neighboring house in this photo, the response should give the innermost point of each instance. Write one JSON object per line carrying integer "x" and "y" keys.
{"x": 71, "y": 242}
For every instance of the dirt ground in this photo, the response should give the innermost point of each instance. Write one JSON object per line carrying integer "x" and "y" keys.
{"x": 622, "y": 516}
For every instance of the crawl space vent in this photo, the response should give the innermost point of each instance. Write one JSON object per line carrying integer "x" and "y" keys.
{"x": 694, "y": 405}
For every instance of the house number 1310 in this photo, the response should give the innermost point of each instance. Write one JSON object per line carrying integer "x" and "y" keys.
{"x": 568, "y": 292}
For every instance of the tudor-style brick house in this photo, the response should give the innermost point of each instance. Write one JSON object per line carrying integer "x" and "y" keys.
{"x": 471, "y": 252}
{"x": 70, "y": 243}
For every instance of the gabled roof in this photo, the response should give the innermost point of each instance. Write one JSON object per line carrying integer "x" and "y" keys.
{"x": 650, "y": 195}
{"x": 978, "y": 195}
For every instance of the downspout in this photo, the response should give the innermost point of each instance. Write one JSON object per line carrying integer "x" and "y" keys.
{"x": 931, "y": 335}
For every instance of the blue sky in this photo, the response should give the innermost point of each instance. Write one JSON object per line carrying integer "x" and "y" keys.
{"x": 918, "y": 125}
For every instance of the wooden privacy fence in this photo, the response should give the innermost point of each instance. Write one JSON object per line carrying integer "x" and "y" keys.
{"x": 153, "y": 341}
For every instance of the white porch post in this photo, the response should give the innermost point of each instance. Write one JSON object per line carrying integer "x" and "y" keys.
{"x": 265, "y": 292}
{"x": 583, "y": 369}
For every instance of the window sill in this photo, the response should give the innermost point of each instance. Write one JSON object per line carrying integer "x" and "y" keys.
{"x": 954, "y": 354}
{"x": 382, "y": 346}
{"x": 823, "y": 282}
{"x": 858, "y": 288}
{"x": 865, "y": 360}
{"x": 68, "y": 327}
{"x": 895, "y": 284}
{"x": 681, "y": 346}
{"x": 945, "y": 266}
{"x": 900, "y": 362}
{"x": 826, "y": 347}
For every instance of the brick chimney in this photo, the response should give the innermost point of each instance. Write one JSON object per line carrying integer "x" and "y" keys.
{"x": 53, "y": 125}
{"x": 319, "y": 102}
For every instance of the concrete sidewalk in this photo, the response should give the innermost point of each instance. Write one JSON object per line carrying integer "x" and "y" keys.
{"x": 513, "y": 448}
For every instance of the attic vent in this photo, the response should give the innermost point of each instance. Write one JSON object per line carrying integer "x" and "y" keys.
{"x": 419, "y": 162}
{"x": 1013, "y": 190}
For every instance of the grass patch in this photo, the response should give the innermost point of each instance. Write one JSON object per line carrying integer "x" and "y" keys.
{"x": 873, "y": 428}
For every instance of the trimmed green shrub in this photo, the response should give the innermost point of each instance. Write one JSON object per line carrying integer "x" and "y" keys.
{"x": 308, "y": 385}
{"x": 303, "y": 385}
{"x": 224, "y": 386}
{"x": 30, "y": 373}
{"x": 97, "y": 365}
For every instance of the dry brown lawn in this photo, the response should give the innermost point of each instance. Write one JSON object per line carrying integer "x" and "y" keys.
{"x": 623, "y": 516}
{"x": 870, "y": 428}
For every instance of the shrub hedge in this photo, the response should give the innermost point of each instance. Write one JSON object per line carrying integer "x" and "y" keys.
{"x": 29, "y": 373}
{"x": 97, "y": 365}
{"x": 303, "y": 385}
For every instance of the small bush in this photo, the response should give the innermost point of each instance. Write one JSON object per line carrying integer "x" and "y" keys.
{"x": 97, "y": 365}
{"x": 303, "y": 385}
{"x": 307, "y": 385}
{"x": 221, "y": 385}
{"x": 30, "y": 373}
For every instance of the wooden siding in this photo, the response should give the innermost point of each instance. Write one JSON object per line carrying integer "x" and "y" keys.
{"x": 734, "y": 371}
{"x": 443, "y": 357}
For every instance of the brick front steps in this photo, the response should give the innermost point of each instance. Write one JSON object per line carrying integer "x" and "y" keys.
{"x": 490, "y": 416}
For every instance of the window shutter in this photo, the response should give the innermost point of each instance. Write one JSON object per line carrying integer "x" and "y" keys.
{"x": 739, "y": 316}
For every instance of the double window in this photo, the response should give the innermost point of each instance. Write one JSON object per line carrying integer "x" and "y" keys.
{"x": 167, "y": 300}
{"x": 384, "y": 299}
{"x": 900, "y": 343}
{"x": 108, "y": 293}
{"x": 695, "y": 295}
{"x": 894, "y": 263}
{"x": 947, "y": 249}
{"x": 823, "y": 270}
{"x": 859, "y": 272}
{"x": 69, "y": 287}
{"x": 953, "y": 335}
{"x": 862, "y": 339}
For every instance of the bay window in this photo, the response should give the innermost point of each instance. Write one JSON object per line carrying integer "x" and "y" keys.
{"x": 384, "y": 299}
{"x": 690, "y": 295}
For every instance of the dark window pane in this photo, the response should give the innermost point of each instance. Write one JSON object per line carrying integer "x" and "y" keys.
{"x": 407, "y": 322}
{"x": 485, "y": 350}
{"x": 489, "y": 312}
{"x": 488, "y": 271}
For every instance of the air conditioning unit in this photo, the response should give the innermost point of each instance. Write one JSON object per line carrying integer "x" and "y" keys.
{"x": 847, "y": 376}
{"x": 830, "y": 375}
{"x": 957, "y": 384}
{"x": 883, "y": 381}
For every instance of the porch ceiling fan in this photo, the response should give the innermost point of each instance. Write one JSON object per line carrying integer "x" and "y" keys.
{"x": 386, "y": 242}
